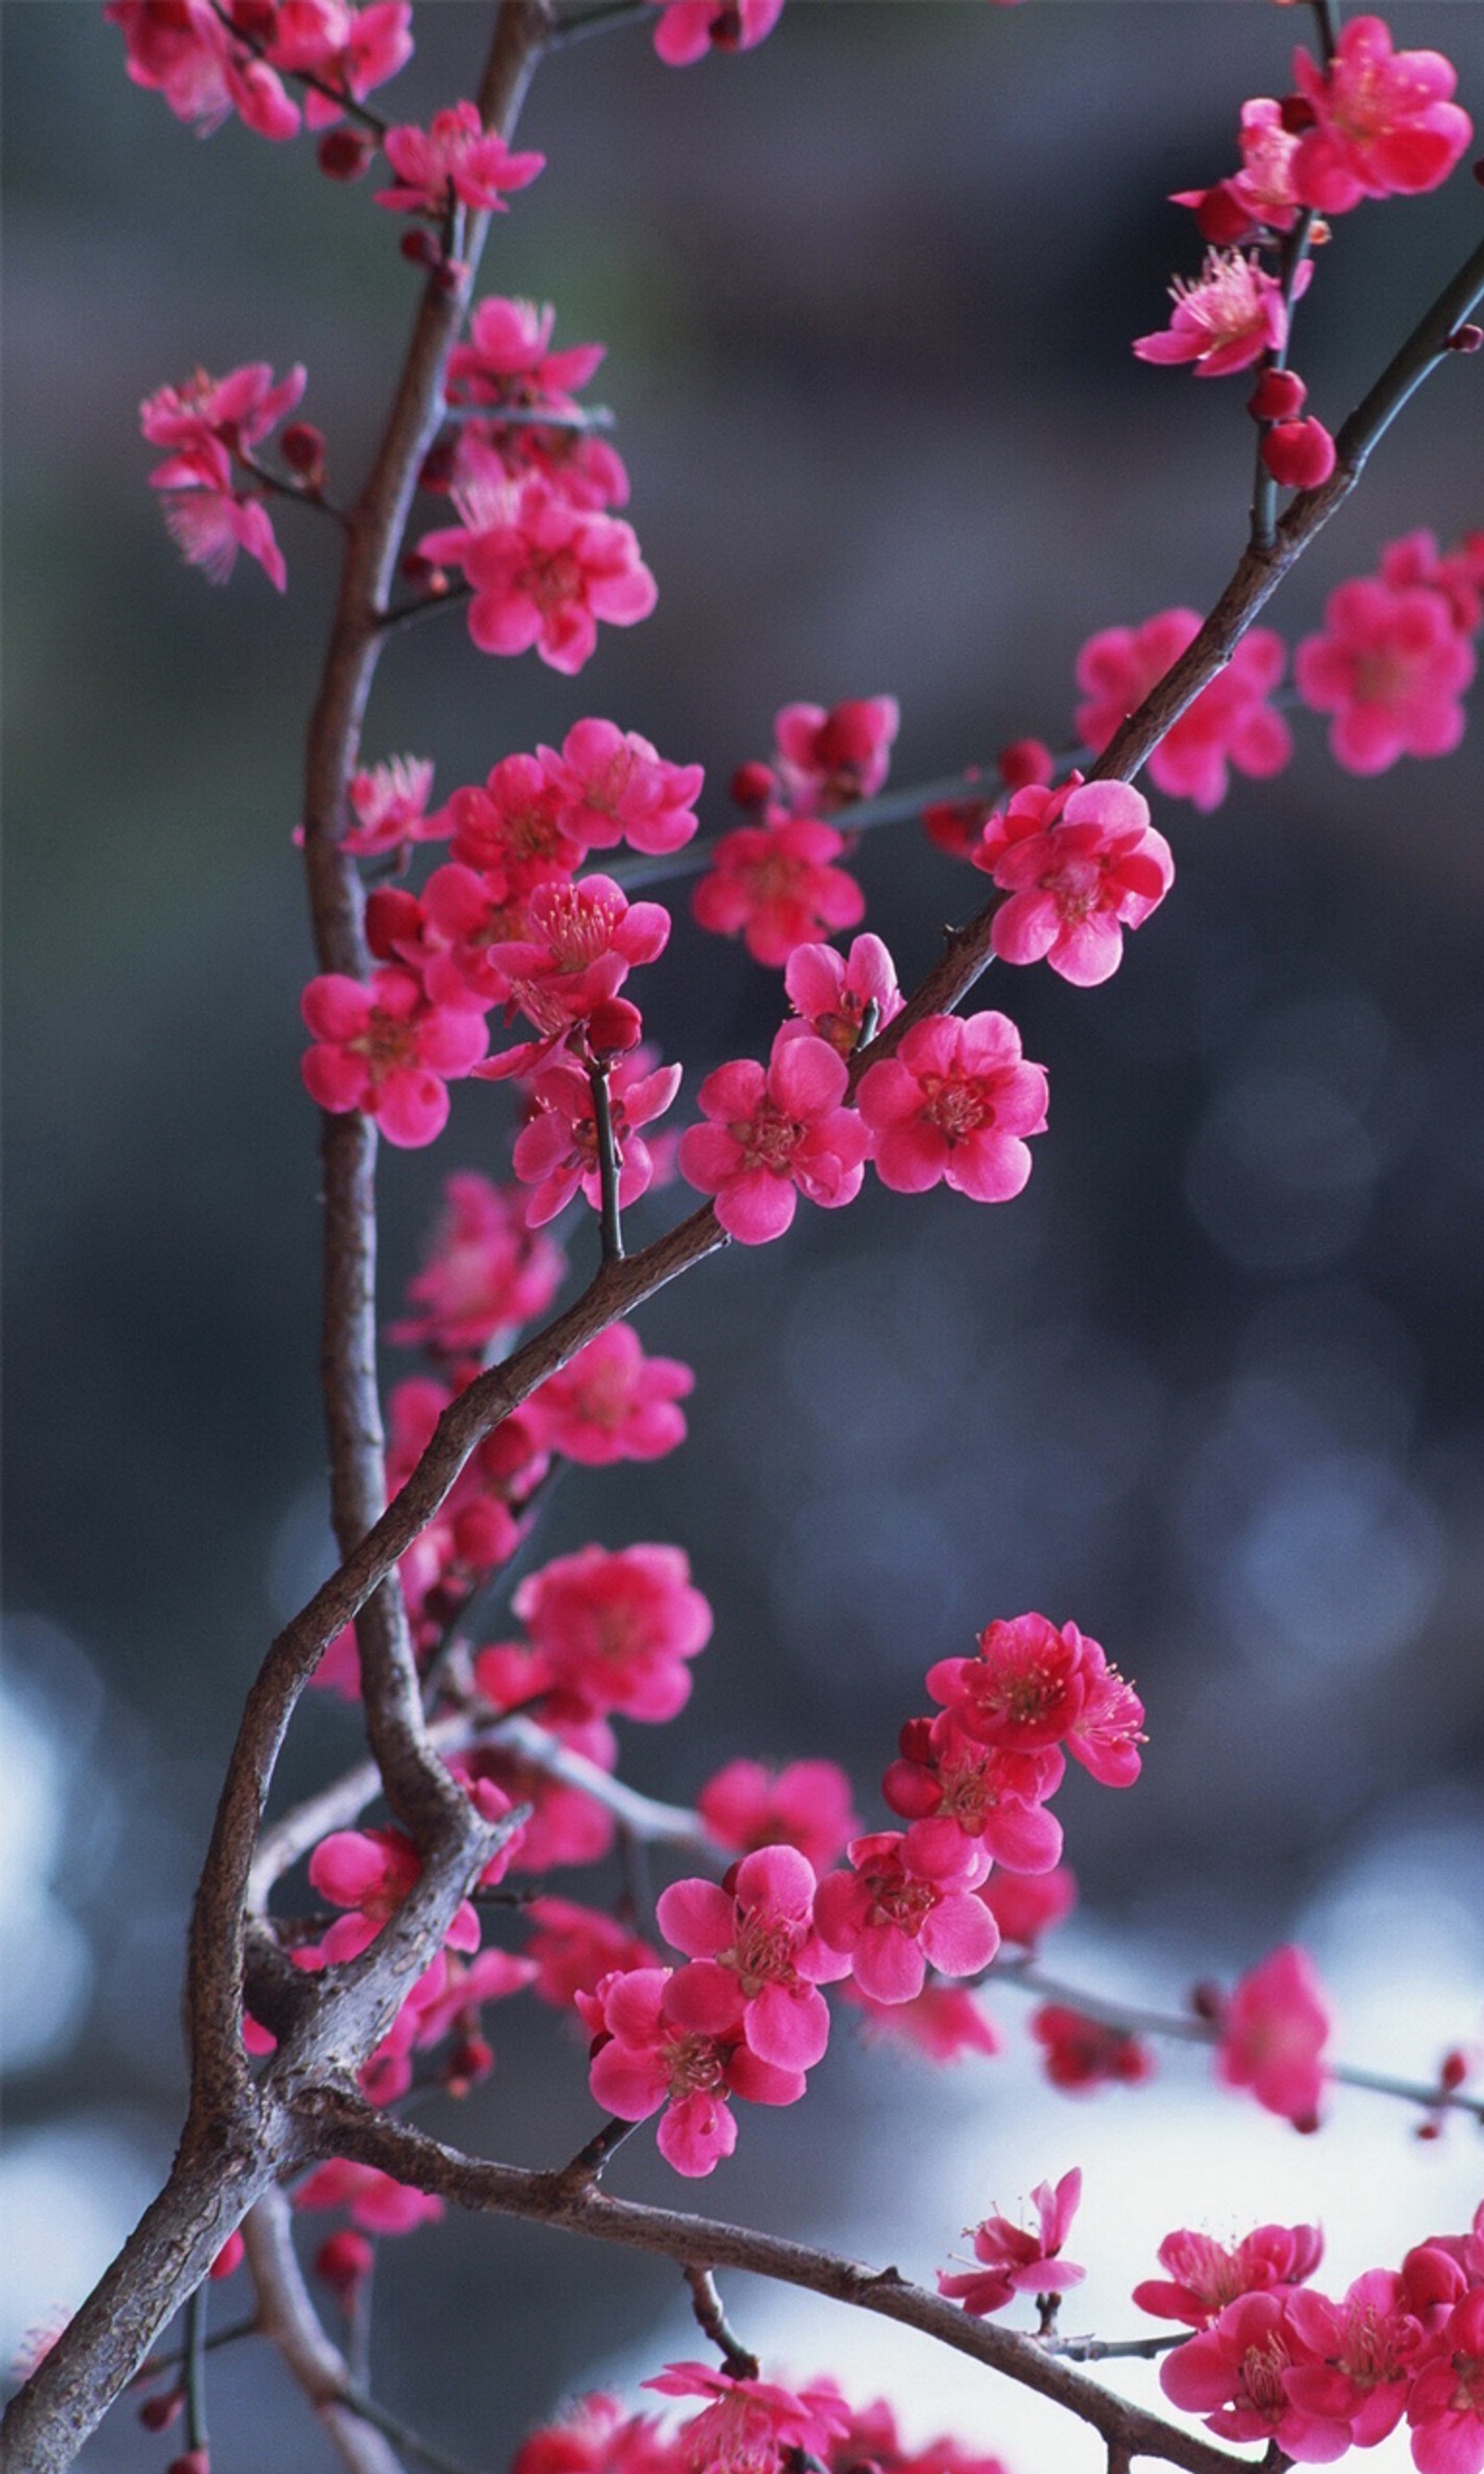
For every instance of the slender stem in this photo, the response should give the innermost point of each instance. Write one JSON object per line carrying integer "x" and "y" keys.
{"x": 197, "y": 2313}
{"x": 893, "y": 808}
{"x": 427, "y": 606}
{"x": 1296, "y": 251}
{"x": 360, "y": 2401}
{"x": 357, "y": 2344}
{"x": 531, "y": 416}
{"x": 1119, "y": 2349}
{"x": 706, "y": 2303}
{"x": 335, "y": 94}
{"x": 312, "y": 2361}
{"x": 214, "y": 2338}
{"x": 592, "y": 2160}
{"x": 1326, "y": 22}
{"x": 611, "y": 1214}
{"x": 610, "y": 19}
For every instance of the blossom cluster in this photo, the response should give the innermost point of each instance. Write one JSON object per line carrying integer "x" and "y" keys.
{"x": 209, "y": 62}
{"x": 743, "y": 2425}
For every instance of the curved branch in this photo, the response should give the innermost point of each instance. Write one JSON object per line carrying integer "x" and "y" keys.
{"x": 289, "y": 2319}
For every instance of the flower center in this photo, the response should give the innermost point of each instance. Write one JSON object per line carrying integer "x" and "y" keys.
{"x": 956, "y": 1106}
{"x": 768, "y": 1140}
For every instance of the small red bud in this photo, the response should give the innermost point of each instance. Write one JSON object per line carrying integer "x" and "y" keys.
{"x": 196, "y": 2461}
{"x": 1278, "y": 395}
{"x": 1466, "y": 339}
{"x": 1299, "y": 454}
{"x": 1305, "y": 2124}
{"x": 419, "y": 248}
{"x": 437, "y": 473}
{"x": 345, "y": 2260}
{"x": 393, "y": 916}
{"x": 1026, "y": 763}
{"x": 613, "y": 1024}
{"x": 1429, "y": 2130}
{"x": 753, "y": 785}
{"x": 303, "y": 449}
{"x": 345, "y": 153}
{"x": 1454, "y": 2070}
{"x": 1296, "y": 114}
{"x": 470, "y": 2061}
{"x": 1206, "y": 2000}
{"x": 915, "y": 1740}
{"x": 158, "y": 2412}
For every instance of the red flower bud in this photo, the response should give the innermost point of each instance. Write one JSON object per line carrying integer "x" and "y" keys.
{"x": 753, "y": 785}
{"x": 1466, "y": 339}
{"x": 345, "y": 2260}
{"x": 302, "y": 448}
{"x": 158, "y": 2412}
{"x": 1299, "y": 454}
{"x": 1278, "y": 395}
{"x": 1221, "y": 218}
{"x": 1026, "y": 763}
{"x": 1296, "y": 114}
{"x": 345, "y": 153}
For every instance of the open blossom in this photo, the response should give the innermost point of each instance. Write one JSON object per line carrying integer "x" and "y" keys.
{"x": 543, "y": 572}
{"x": 1229, "y": 722}
{"x": 1384, "y": 121}
{"x": 891, "y": 1921}
{"x": 611, "y": 1402}
{"x": 1233, "y": 2373}
{"x": 827, "y": 759}
{"x": 942, "y": 2023}
{"x": 375, "y": 2201}
{"x": 614, "y": 787}
{"x": 689, "y": 29}
{"x": 1203, "y": 2276}
{"x": 210, "y": 526}
{"x": 205, "y": 425}
{"x": 566, "y": 1825}
{"x": 390, "y": 804}
{"x": 763, "y": 1961}
{"x": 1032, "y": 1686}
{"x": 660, "y": 2043}
{"x": 1227, "y": 318}
{"x": 573, "y": 1948}
{"x": 385, "y": 1049}
{"x": 1078, "y": 2052}
{"x": 1025, "y": 1905}
{"x": 506, "y": 364}
{"x": 515, "y": 826}
{"x": 454, "y": 160}
{"x": 954, "y": 1792}
{"x": 1274, "y": 2025}
{"x": 775, "y": 886}
{"x": 486, "y": 1273}
{"x": 955, "y": 1104}
{"x": 834, "y": 994}
{"x": 181, "y": 49}
{"x": 556, "y": 1152}
{"x": 807, "y": 1805}
{"x": 1360, "y": 2357}
{"x": 1446, "y": 2407}
{"x": 595, "y": 2436}
{"x": 753, "y": 2426}
{"x": 1458, "y": 575}
{"x": 1016, "y": 2261}
{"x": 617, "y": 1630}
{"x": 1080, "y": 864}
{"x": 1262, "y": 195}
{"x": 580, "y": 942}
{"x": 353, "y": 50}
{"x": 1391, "y": 667}
{"x": 775, "y": 1132}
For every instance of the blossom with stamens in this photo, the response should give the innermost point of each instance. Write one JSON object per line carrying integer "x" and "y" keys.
{"x": 1384, "y": 123}
{"x": 1391, "y": 668}
{"x": 515, "y": 825}
{"x": 455, "y": 160}
{"x": 384, "y": 1048}
{"x": 775, "y": 886}
{"x": 556, "y": 1151}
{"x": 1079, "y": 864}
{"x": 617, "y": 1631}
{"x": 753, "y": 2426}
{"x": 1446, "y": 2407}
{"x": 1235, "y": 2374}
{"x": 579, "y": 943}
{"x": 775, "y": 1132}
{"x": 1032, "y": 1686}
{"x": 1261, "y": 196}
{"x": 1016, "y": 2261}
{"x": 390, "y": 803}
{"x": 1230, "y": 721}
{"x": 953, "y": 1791}
{"x": 659, "y": 2043}
{"x": 891, "y": 1921}
{"x": 542, "y": 572}
{"x": 1227, "y": 317}
{"x": 615, "y": 787}
{"x": 1203, "y": 2276}
{"x": 181, "y": 49}
{"x": 954, "y": 1104}
{"x": 836, "y": 995}
{"x": 756, "y": 1941}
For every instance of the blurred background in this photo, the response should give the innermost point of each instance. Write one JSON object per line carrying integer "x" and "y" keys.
{"x": 1212, "y": 1387}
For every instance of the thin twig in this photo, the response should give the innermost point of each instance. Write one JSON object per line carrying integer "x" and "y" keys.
{"x": 1326, "y": 20}
{"x": 1296, "y": 251}
{"x": 335, "y": 94}
{"x": 359, "y": 2400}
{"x": 608, "y": 20}
{"x": 531, "y": 416}
{"x": 427, "y": 606}
{"x": 610, "y": 1218}
{"x": 291, "y": 2321}
{"x": 706, "y": 2303}
{"x": 892, "y": 808}
{"x": 197, "y": 2313}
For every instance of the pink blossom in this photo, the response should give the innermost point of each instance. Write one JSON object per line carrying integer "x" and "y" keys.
{"x": 1229, "y": 722}
{"x": 1078, "y": 2052}
{"x": 354, "y": 50}
{"x": 207, "y": 419}
{"x": 543, "y": 572}
{"x": 827, "y": 759}
{"x": 465, "y": 919}
{"x": 1203, "y": 2276}
{"x": 689, "y": 29}
{"x": 614, "y": 787}
{"x": 753, "y": 2426}
{"x": 579, "y": 944}
{"x": 385, "y": 1049}
{"x": 1018, "y": 2261}
{"x": 774, "y": 1133}
{"x": 807, "y": 1805}
{"x": 557, "y": 1150}
{"x": 955, "y": 1104}
{"x": 942, "y": 2023}
{"x": 618, "y": 1629}
{"x": 874, "y": 2440}
{"x": 485, "y": 1274}
{"x": 594, "y": 2436}
{"x": 1262, "y": 195}
{"x": 764, "y": 1962}
{"x": 1227, "y": 318}
{"x": 611, "y": 1402}
{"x": 573, "y": 1948}
{"x": 507, "y": 363}
{"x": 1446, "y": 2408}
{"x": 376, "y": 2202}
{"x": 1391, "y": 667}
{"x": 658, "y": 2044}
{"x": 1273, "y": 2029}
{"x": 516, "y": 826}
{"x": 566, "y": 1825}
{"x": 1080, "y": 864}
{"x": 1234, "y": 2373}
{"x": 891, "y": 1921}
{"x": 1384, "y": 125}
{"x": 1032, "y": 1686}
{"x": 455, "y": 160}
{"x": 210, "y": 526}
{"x": 957, "y": 1793}
{"x": 181, "y": 49}
{"x": 1357, "y": 2356}
{"x": 833, "y": 994}
{"x": 1458, "y": 575}
{"x": 1025, "y": 1905}
{"x": 774, "y": 885}
{"x": 370, "y": 1872}
{"x": 390, "y": 806}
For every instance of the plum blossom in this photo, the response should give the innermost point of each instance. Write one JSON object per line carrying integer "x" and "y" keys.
{"x": 754, "y": 1942}
{"x": 515, "y": 826}
{"x": 955, "y": 1793}
{"x": 616, "y": 1630}
{"x": 566, "y": 1825}
{"x": 1262, "y": 195}
{"x": 181, "y": 49}
{"x": 1384, "y": 123}
{"x": 486, "y": 1273}
{"x": 1203, "y": 2276}
{"x": 1025, "y": 1905}
{"x": 1235, "y": 2372}
{"x": 891, "y": 1921}
{"x": 354, "y": 50}
{"x": 376, "y": 2202}
{"x": 385, "y": 1049}
{"x": 806, "y": 1804}
{"x": 1032, "y": 1686}
{"x": 573, "y": 1948}
{"x": 543, "y": 572}
{"x": 775, "y": 1132}
{"x": 1080, "y": 864}
{"x": 659, "y": 2043}
{"x": 507, "y": 364}
{"x": 210, "y": 526}
{"x": 579, "y": 944}
{"x": 454, "y": 160}
{"x": 834, "y": 994}
{"x": 1446, "y": 2407}
{"x": 1016, "y": 2261}
{"x": 1358, "y": 2356}
{"x": 1391, "y": 667}
{"x": 1227, "y": 317}
{"x": 942, "y": 2023}
{"x": 614, "y": 787}
{"x": 689, "y": 29}
{"x": 1273, "y": 2029}
{"x": 775, "y": 886}
{"x": 207, "y": 424}
{"x": 954, "y": 1105}
{"x": 611, "y": 1402}
{"x": 827, "y": 759}
{"x": 753, "y": 2426}
{"x": 390, "y": 804}
{"x": 1229, "y": 722}
{"x": 595, "y": 2436}
{"x": 1458, "y": 575}
{"x": 1078, "y": 2052}
{"x": 556, "y": 1152}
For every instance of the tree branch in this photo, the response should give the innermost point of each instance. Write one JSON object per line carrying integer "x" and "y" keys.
{"x": 290, "y": 2320}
